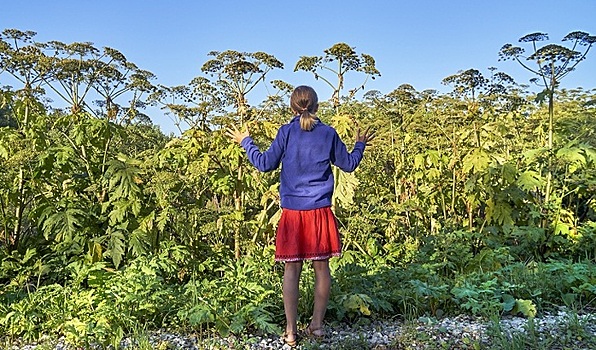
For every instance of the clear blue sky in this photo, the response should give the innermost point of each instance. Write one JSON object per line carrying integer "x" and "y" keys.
{"x": 418, "y": 42}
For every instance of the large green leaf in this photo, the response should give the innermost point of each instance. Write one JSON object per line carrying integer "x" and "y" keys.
{"x": 124, "y": 177}
{"x": 499, "y": 211}
{"x": 62, "y": 224}
{"x": 525, "y": 307}
{"x": 116, "y": 246}
{"x": 477, "y": 161}
{"x": 346, "y": 187}
{"x": 530, "y": 180}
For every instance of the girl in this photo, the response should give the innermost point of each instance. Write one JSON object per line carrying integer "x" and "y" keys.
{"x": 307, "y": 230}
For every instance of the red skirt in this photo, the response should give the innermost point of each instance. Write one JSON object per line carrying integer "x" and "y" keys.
{"x": 307, "y": 235}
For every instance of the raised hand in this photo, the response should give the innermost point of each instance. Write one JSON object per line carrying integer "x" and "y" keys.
{"x": 236, "y": 134}
{"x": 366, "y": 137}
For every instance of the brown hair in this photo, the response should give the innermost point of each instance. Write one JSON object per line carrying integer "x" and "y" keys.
{"x": 305, "y": 102}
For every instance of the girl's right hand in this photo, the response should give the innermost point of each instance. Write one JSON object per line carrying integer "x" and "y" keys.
{"x": 366, "y": 137}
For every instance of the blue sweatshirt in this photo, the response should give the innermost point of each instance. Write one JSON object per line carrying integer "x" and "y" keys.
{"x": 306, "y": 180}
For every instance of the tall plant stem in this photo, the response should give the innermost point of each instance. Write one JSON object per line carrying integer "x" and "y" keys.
{"x": 551, "y": 117}
{"x": 238, "y": 207}
{"x": 238, "y": 196}
{"x": 16, "y": 235}
{"x": 395, "y": 162}
{"x": 19, "y": 211}
{"x": 453, "y": 177}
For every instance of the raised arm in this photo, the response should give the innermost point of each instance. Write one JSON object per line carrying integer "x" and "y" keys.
{"x": 264, "y": 161}
{"x": 349, "y": 161}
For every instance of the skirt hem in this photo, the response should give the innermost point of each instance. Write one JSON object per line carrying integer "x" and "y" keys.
{"x": 302, "y": 258}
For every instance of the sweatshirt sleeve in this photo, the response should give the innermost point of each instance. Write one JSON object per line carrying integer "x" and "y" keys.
{"x": 346, "y": 161}
{"x": 268, "y": 160}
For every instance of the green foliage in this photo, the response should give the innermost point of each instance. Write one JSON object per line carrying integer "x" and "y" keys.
{"x": 234, "y": 296}
{"x": 100, "y": 305}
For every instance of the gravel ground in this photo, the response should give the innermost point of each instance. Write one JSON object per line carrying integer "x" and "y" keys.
{"x": 561, "y": 330}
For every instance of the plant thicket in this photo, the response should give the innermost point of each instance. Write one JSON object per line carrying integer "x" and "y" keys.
{"x": 480, "y": 200}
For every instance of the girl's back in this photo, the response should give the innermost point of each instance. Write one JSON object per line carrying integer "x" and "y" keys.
{"x": 306, "y": 177}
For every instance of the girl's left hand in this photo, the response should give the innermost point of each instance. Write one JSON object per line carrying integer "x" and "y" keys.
{"x": 236, "y": 134}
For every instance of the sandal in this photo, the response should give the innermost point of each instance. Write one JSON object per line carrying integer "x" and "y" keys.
{"x": 315, "y": 333}
{"x": 286, "y": 339}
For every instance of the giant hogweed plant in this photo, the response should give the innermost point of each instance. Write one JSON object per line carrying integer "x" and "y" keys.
{"x": 552, "y": 62}
{"x": 236, "y": 74}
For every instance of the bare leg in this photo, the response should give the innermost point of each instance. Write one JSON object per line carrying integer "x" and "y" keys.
{"x": 322, "y": 289}
{"x": 292, "y": 272}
